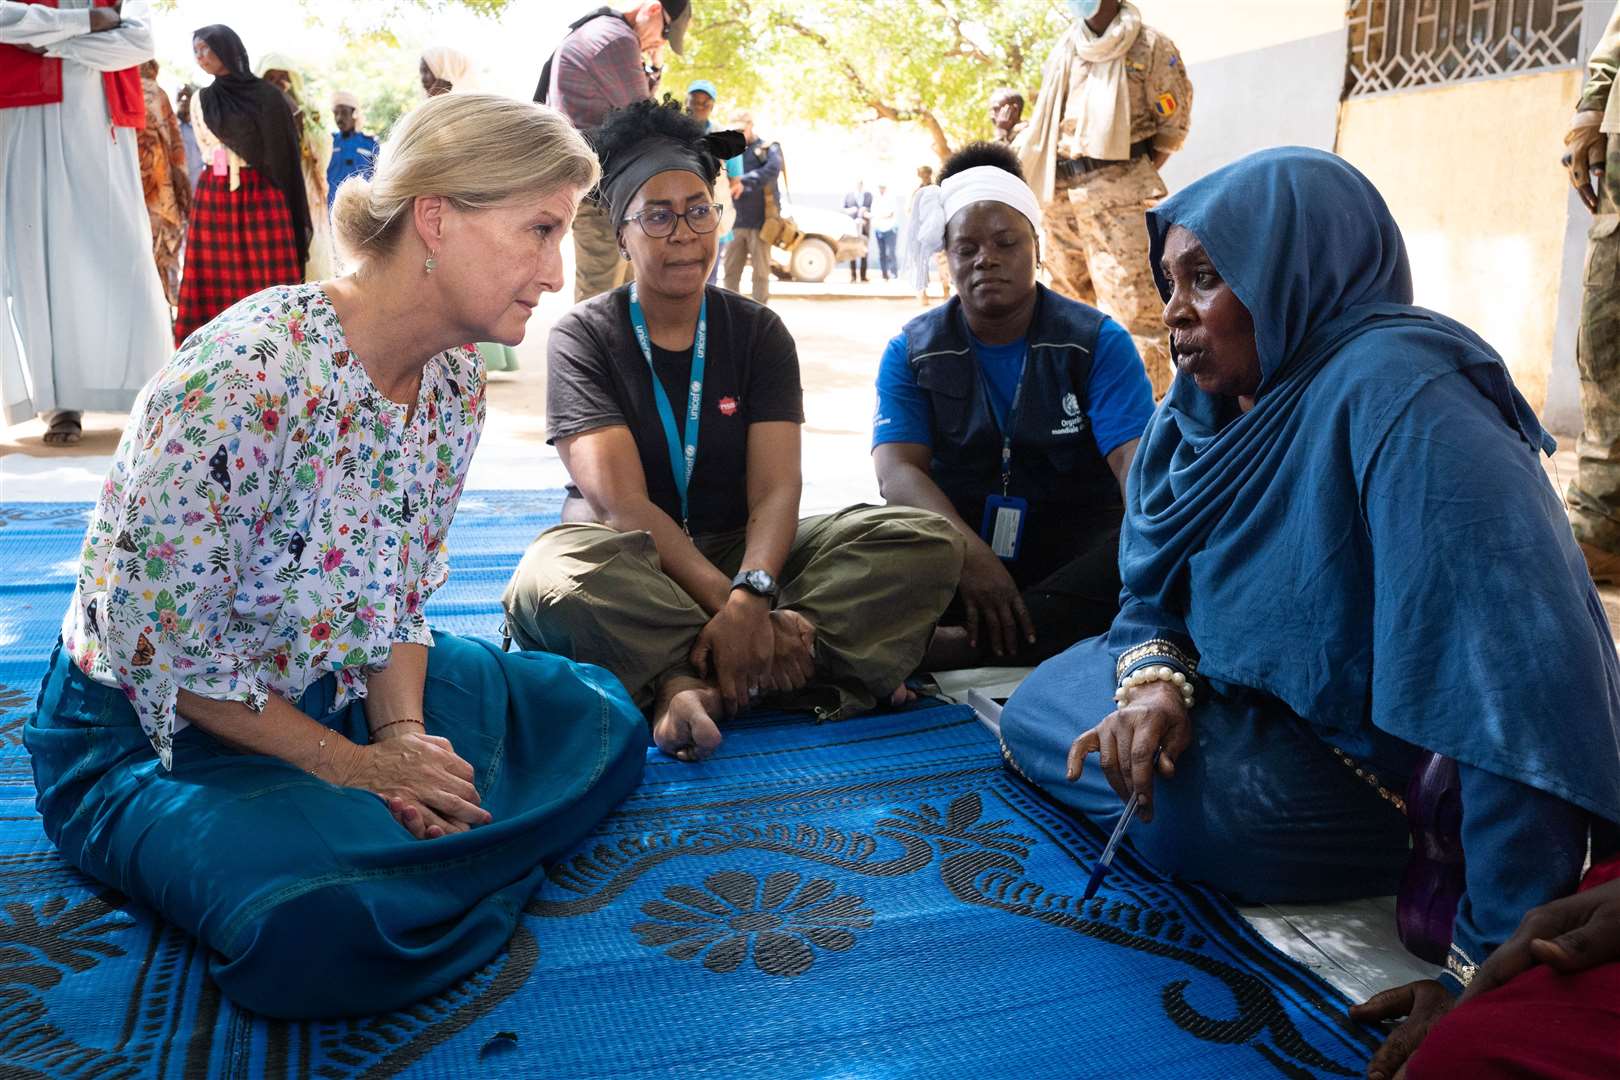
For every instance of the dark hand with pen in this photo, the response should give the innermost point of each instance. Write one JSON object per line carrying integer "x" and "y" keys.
{"x": 1154, "y": 717}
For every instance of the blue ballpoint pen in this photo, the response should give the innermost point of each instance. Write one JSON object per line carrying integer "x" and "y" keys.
{"x": 1106, "y": 860}
{"x": 1100, "y": 871}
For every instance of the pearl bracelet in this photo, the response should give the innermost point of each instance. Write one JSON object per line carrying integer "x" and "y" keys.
{"x": 1143, "y": 676}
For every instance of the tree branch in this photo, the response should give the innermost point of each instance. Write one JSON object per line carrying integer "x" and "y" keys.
{"x": 873, "y": 101}
{"x": 964, "y": 45}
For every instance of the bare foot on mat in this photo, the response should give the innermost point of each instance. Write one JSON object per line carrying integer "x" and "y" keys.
{"x": 686, "y": 718}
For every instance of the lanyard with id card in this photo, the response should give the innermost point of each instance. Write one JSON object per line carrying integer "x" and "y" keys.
{"x": 1005, "y": 514}
{"x": 682, "y": 458}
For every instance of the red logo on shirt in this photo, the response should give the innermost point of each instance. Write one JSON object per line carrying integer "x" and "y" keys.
{"x": 728, "y": 406}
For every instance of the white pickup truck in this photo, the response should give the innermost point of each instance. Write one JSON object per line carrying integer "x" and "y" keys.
{"x": 828, "y": 238}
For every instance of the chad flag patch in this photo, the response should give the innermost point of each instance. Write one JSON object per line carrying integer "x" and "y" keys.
{"x": 1166, "y": 105}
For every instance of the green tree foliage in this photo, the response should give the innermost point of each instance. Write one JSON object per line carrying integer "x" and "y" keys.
{"x": 384, "y": 78}
{"x": 928, "y": 62}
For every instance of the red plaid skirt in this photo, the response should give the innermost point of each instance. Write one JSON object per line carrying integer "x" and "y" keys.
{"x": 238, "y": 243}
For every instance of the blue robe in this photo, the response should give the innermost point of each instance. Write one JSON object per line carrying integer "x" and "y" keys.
{"x": 1371, "y": 559}
{"x": 312, "y": 900}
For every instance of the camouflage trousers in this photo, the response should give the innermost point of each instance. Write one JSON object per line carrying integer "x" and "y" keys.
{"x": 1593, "y": 496}
{"x": 1096, "y": 250}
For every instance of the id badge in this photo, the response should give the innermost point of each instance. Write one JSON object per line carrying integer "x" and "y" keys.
{"x": 1003, "y": 525}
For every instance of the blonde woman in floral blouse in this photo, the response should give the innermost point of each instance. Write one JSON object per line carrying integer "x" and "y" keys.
{"x": 248, "y": 724}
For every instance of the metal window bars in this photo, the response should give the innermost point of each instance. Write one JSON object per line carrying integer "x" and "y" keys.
{"x": 1408, "y": 44}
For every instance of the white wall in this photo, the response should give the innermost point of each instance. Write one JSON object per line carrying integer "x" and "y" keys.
{"x": 1209, "y": 29}
{"x": 1280, "y": 95}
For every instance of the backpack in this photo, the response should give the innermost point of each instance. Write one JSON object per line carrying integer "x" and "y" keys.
{"x": 779, "y": 230}
{"x": 544, "y": 89}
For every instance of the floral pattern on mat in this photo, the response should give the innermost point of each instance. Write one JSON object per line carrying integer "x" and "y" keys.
{"x": 783, "y": 923}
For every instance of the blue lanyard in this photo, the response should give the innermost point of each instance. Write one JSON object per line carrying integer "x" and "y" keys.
{"x": 1012, "y": 416}
{"x": 681, "y": 458}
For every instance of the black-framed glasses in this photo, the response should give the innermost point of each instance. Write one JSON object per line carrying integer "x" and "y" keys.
{"x": 659, "y": 221}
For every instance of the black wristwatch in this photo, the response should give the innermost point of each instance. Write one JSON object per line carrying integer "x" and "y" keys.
{"x": 758, "y": 582}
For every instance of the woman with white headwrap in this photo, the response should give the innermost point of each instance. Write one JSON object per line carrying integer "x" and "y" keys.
{"x": 445, "y": 70}
{"x": 1014, "y": 412}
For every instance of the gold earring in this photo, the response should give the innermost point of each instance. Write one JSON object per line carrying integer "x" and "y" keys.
{"x": 430, "y": 264}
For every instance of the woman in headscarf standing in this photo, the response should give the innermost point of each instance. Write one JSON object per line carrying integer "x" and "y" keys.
{"x": 1353, "y": 610}
{"x": 315, "y": 153}
{"x": 449, "y": 71}
{"x": 250, "y": 223}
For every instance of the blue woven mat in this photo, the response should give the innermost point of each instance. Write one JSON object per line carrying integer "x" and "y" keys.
{"x": 864, "y": 899}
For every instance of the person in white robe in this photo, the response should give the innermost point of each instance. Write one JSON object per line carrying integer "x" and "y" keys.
{"x": 83, "y": 321}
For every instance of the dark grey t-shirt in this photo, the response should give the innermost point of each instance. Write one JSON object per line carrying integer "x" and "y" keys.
{"x": 597, "y": 377}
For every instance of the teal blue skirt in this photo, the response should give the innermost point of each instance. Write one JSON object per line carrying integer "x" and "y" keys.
{"x": 313, "y": 900}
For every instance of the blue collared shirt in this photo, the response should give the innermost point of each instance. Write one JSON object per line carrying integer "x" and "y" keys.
{"x": 353, "y": 153}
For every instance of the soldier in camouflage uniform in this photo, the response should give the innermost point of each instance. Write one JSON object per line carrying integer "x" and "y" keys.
{"x": 1594, "y": 164}
{"x": 1098, "y": 174}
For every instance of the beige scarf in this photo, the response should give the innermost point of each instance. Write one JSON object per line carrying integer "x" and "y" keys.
{"x": 1102, "y": 116}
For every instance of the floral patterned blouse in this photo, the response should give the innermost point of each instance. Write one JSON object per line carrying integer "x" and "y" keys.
{"x": 270, "y": 516}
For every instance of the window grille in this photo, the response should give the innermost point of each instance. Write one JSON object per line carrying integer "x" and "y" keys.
{"x": 1407, "y": 44}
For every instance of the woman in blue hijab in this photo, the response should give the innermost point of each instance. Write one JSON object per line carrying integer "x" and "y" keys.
{"x": 1341, "y": 556}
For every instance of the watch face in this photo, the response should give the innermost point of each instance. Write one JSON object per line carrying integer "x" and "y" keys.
{"x": 758, "y": 582}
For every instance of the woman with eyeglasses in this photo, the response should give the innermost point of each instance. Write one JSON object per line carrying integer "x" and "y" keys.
{"x": 682, "y": 565}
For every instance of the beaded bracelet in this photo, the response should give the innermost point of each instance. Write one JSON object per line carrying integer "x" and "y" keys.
{"x": 391, "y": 723}
{"x": 1146, "y": 675}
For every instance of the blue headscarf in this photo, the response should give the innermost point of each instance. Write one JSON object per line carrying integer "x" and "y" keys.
{"x": 1461, "y": 622}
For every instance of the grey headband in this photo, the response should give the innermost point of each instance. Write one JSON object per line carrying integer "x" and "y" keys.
{"x": 624, "y": 173}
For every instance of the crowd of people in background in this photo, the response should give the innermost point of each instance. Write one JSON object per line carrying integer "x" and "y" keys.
{"x": 238, "y": 177}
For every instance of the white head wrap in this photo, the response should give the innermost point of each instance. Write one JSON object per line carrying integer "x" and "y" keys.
{"x": 990, "y": 183}
{"x": 451, "y": 65}
{"x": 344, "y": 97}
